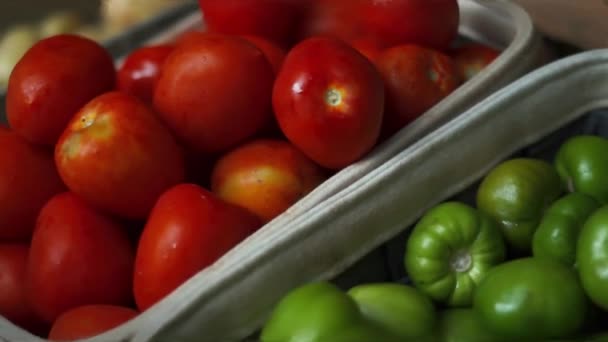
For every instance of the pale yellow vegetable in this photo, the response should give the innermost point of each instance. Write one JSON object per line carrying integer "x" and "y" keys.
{"x": 60, "y": 22}
{"x": 13, "y": 46}
{"x": 122, "y": 14}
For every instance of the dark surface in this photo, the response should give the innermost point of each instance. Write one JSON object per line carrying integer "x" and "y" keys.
{"x": 31, "y": 11}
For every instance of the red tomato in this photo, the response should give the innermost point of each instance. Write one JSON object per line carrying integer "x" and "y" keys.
{"x": 329, "y": 101}
{"x": 88, "y": 321}
{"x": 28, "y": 179}
{"x": 471, "y": 58}
{"x": 334, "y": 18}
{"x": 117, "y": 155}
{"x": 415, "y": 78}
{"x": 77, "y": 257}
{"x": 272, "y": 19}
{"x": 216, "y": 93}
{"x": 140, "y": 72}
{"x": 368, "y": 47}
{"x": 188, "y": 230}
{"x": 14, "y": 305}
{"x": 274, "y": 53}
{"x": 54, "y": 78}
{"x": 431, "y": 23}
{"x": 265, "y": 176}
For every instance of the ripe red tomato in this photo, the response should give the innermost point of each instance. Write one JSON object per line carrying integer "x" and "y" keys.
{"x": 272, "y": 19}
{"x": 334, "y": 18}
{"x": 188, "y": 230}
{"x": 415, "y": 78}
{"x": 216, "y": 93}
{"x": 117, "y": 155}
{"x": 77, "y": 257}
{"x": 368, "y": 47}
{"x": 139, "y": 73}
{"x": 28, "y": 179}
{"x": 14, "y": 305}
{"x": 430, "y": 23}
{"x": 265, "y": 176}
{"x": 329, "y": 101}
{"x": 88, "y": 321}
{"x": 50, "y": 83}
{"x": 273, "y": 52}
{"x": 471, "y": 58}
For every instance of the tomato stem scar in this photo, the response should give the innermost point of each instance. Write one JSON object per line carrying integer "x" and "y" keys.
{"x": 333, "y": 97}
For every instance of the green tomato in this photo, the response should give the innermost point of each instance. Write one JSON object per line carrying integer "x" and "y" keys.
{"x": 559, "y": 229}
{"x": 450, "y": 250}
{"x": 531, "y": 298}
{"x": 319, "y": 312}
{"x": 516, "y": 193}
{"x": 592, "y": 257}
{"x": 399, "y": 309}
{"x": 464, "y": 325}
{"x": 582, "y": 163}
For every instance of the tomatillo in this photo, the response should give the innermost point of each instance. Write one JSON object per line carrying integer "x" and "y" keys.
{"x": 560, "y": 226}
{"x": 582, "y": 163}
{"x": 320, "y": 312}
{"x": 592, "y": 257}
{"x": 516, "y": 193}
{"x": 450, "y": 250}
{"x": 532, "y": 299}
{"x": 400, "y": 309}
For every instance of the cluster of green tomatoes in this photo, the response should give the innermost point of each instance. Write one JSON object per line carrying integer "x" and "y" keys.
{"x": 528, "y": 262}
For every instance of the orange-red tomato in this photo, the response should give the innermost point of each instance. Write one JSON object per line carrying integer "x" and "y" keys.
{"x": 416, "y": 78}
{"x": 273, "y": 52}
{"x": 188, "y": 230}
{"x": 329, "y": 101}
{"x": 272, "y": 19}
{"x": 77, "y": 257}
{"x": 28, "y": 179}
{"x": 88, "y": 321}
{"x": 215, "y": 93}
{"x": 471, "y": 58}
{"x": 50, "y": 83}
{"x": 139, "y": 73}
{"x": 117, "y": 155}
{"x": 14, "y": 304}
{"x": 265, "y": 176}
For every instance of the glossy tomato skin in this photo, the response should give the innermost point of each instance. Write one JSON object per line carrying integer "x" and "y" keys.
{"x": 273, "y": 52}
{"x": 531, "y": 299}
{"x": 591, "y": 256}
{"x": 188, "y": 230}
{"x": 416, "y": 78}
{"x": 116, "y": 154}
{"x": 139, "y": 73}
{"x": 28, "y": 179}
{"x": 215, "y": 93}
{"x": 400, "y": 309}
{"x": 430, "y": 23}
{"x": 329, "y": 101}
{"x": 14, "y": 304}
{"x": 272, "y": 19}
{"x": 77, "y": 257}
{"x": 265, "y": 176}
{"x": 472, "y": 58}
{"x": 88, "y": 321}
{"x": 56, "y": 77}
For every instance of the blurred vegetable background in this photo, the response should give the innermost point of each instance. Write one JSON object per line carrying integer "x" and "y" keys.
{"x": 24, "y": 22}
